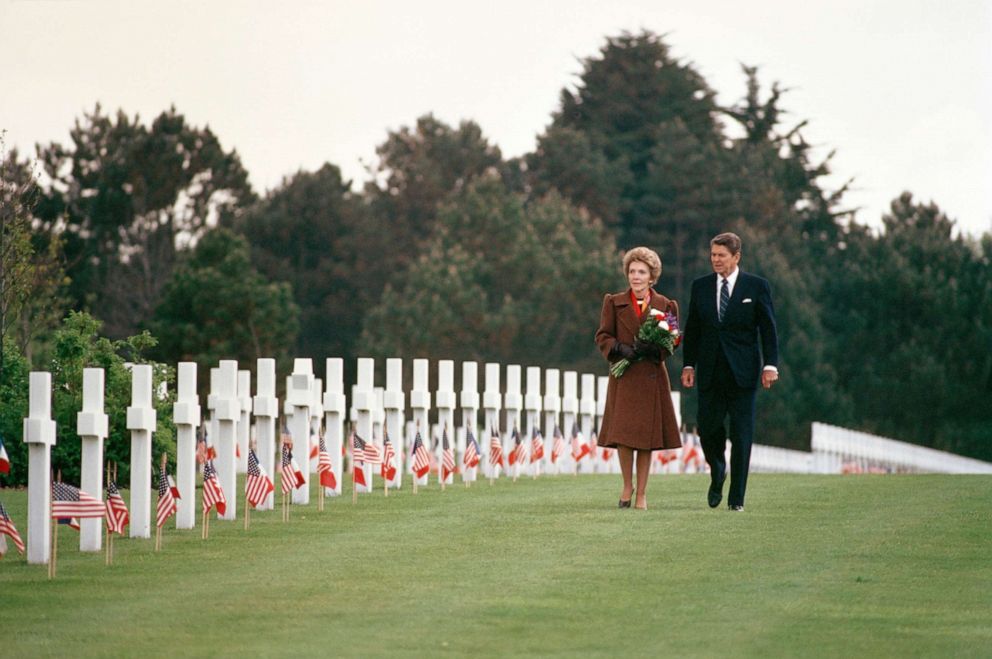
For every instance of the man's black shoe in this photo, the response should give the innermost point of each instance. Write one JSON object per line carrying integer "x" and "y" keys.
{"x": 715, "y": 496}
{"x": 736, "y": 509}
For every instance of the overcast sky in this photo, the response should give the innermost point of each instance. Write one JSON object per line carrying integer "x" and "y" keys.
{"x": 901, "y": 89}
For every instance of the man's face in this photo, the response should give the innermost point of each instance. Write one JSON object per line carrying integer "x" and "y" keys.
{"x": 723, "y": 261}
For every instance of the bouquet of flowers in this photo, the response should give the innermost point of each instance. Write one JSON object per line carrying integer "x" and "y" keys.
{"x": 660, "y": 329}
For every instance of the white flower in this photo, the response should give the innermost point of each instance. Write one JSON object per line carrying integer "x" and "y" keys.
{"x": 675, "y": 332}
{"x": 657, "y": 312}
{"x": 663, "y": 325}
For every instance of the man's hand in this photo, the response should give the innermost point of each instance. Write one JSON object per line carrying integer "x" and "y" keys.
{"x": 688, "y": 377}
{"x": 768, "y": 377}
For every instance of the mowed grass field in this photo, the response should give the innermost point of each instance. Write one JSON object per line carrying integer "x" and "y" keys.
{"x": 816, "y": 566}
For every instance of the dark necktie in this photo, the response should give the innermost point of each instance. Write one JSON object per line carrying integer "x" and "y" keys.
{"x": 724, "y": 298}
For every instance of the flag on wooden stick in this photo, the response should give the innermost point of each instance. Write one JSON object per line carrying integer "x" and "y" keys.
{"x": 117, "y": 515}
{"x": 166, "y": 507}
{"x": 324, "y": 467}
{"x": 536, "y": 445}
{"x": 388, "y": 469}
{"x": 447, "y": 457}
{"x": 213, "y": 494}
{"x": 363, "y": 451}
{"x": 558, "y": 446}
{"x": 471, "y": 457}
{"x": 495, "y": 448}
{"x": 517, "y": 452}
{"x": 7, "y": 529}
{"x": 421, "y": 459}
{"x": 70, "y": 502}
{"x": 292, "y": 477}
{"x": 579, "y": 448}
{"x": 258, "y": 485}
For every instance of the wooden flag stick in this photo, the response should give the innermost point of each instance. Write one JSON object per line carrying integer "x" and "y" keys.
{"x": 55, "y": 548}
{"x": 55, "y": 541}
{"x": 354, "y": 487}
{"x": 206, "y": 525}
{"x": 385, "y": 487}
{"x": 106, "y": 479}
{"x": 246, "y": 512}
{"x": 203, "y": 530}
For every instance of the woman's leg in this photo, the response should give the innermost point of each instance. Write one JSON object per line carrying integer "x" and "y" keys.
{"x": 643, "y": 469}
{"x": 626, "y": 455}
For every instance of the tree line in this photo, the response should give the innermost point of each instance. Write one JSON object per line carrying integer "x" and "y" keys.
{"x": 451, "y": 250}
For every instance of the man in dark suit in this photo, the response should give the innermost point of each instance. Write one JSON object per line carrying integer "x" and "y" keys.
{"x": 729, "y": 344}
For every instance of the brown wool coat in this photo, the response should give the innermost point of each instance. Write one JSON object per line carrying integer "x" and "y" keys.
{"x": 639, "y": 411}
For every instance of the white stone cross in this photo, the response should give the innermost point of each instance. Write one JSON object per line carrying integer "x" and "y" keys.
{"x": 364, "y": 403}
{"x": 492, "y": 402}
{"x": 141, "y": 421}
{"x": 265, "y": 407}
{"x": 393, "y": 402}
{"x": 514, "y": 402}
{"x": 532, "y": 403}
{"x": 299, "y": 397}
{"x": 420, "y": 403}
{"x": 470, "y": 416}
{"x": 92, "y": 427}
{"x": 445, "y": 401}
{"x": 186, "y": 416}
{"x": 334, "y": 419}
{"x": 227, "y": 414}
{"x": 39, "y": 435}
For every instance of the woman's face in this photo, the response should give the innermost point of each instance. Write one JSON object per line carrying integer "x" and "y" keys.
{"x": 638, "y": 276}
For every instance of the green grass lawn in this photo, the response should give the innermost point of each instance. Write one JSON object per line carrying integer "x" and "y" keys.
{"x": 816, "y": 566}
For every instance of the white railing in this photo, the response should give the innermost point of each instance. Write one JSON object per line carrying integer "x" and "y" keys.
{"x": 840, "y": 450}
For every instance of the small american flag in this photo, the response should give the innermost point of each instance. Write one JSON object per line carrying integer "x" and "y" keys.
{"x": 166, "y": 507}
{"x": 314, "y": 448}
{"x": 362, "y": 451}
{"x": 421, "y": 459}
{"x": 471, "y": 457}
{"x": 7, "y": 529}
{"x": 69, "y": 501}
{"x": 579, "y": 448}
{"x": 258, "y": 485}
{"x": 447, "y": 457}
{"x": 495, "y": 448}
{"x": 388, "y": 470}
{"x": 291, "y": 476}
{"x": 204, "y": 450}
{"x": 517, "y": 452}
{"x": 536, "y": 445}
{"x": 117, "y": 515}
{"x": 324, "y": 467}
{"x": 558, "y": 447}
{"x": 213, "y": 495}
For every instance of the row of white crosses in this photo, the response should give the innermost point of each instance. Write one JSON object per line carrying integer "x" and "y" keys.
{"x": 312, "y": 408}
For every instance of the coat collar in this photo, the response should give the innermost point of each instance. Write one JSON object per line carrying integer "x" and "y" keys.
{"x": 627, "y": 314}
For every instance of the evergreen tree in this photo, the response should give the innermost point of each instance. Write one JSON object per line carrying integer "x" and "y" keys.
{"x": 216, "y": 306}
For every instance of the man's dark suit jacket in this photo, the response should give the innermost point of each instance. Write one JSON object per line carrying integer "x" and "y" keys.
{"x": 747, "y": 334}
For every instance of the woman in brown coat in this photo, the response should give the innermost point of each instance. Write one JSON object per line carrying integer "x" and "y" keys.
{"x": 639, "y": 414}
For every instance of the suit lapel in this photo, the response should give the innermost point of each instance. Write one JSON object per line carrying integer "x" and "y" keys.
{"x": 709, "y": 293}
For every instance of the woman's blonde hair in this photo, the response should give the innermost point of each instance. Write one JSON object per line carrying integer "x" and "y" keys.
{"x": 645, "y": 255}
